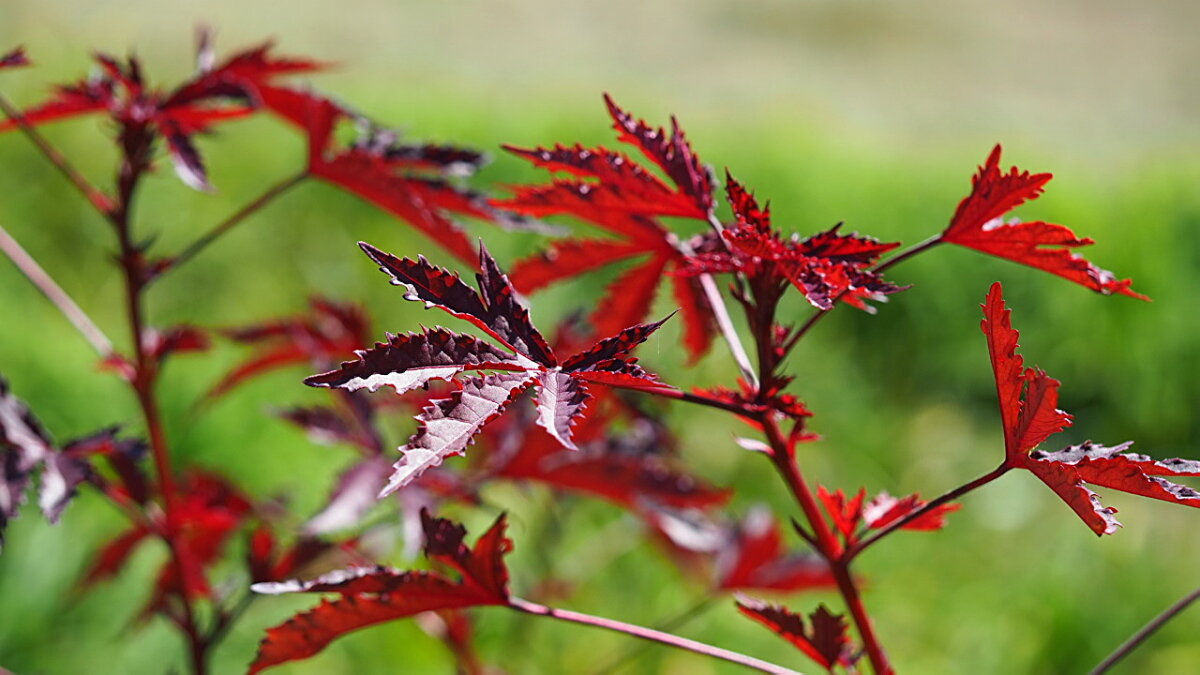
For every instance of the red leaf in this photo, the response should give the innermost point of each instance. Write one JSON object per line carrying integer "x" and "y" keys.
{"x": 306, "y": 634}
{"x": 410, "y": 360}
{"x": 1027, "y": 410}
{"x": 699, "y": 327}
{"x": 756, "y": 559}
{"x": 824, "y": 640}
{"x": 375, "y": 595}
{"x": 109, "y": 561}
{"x": 327, "y": 333}
{"x": 977, "y": 225}
{"x": 844, "y": 513}
{"x": 494, "y": 308}
{"x": 616, "y": 194}
{"x": 884, "y": 509}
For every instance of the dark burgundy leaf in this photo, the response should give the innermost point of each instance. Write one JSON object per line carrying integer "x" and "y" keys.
{"x": 14, "y": 58}
{"x": 824, "y": 640}
{"x": 355, "y": 493}
{"x": 560, "y": 401}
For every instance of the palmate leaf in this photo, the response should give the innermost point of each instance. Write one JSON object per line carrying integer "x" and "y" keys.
{"x": 824, "y": 639}
{"x": 611, "y": 191}
{"x": 449, "y": 425}
{"x": 978, "y": 224}
{"x": 825, "y": 268}
{"x": 1028, "y": 411}
{"x": 367, "y": 596}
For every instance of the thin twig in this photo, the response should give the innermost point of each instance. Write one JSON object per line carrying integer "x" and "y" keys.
{"x": 649, "y": 634}
{"x": 913, "y": 515}
{"x": 46, "y": 284}
{"x": 1149, "y": 629}
{"x": 103, "y": 203}
{"x": 670, "y": 626}
{"x": 241, "y": 214}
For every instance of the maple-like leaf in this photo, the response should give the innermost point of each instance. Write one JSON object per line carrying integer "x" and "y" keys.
{"x": 823, "y": 639}
{"x": 613, "y": 192}
{"x": 825, "y": 268}
{"x": 449, "y": 425}
{"x": 1028, "y": 410}
{"x": 978, "y": 223}
{"x": 26, "y": 447}
{"x": 371, "y": 595}
{"x": 850, "y": 515}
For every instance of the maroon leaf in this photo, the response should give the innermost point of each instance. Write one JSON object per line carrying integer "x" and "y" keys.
{"x": 374, "y": 595}
{"x": 410, "y": 360}
{"x": 824, "y": 640}
{"x": 884, "y": 509}
{"x": 449, "y": 425}
{"x": 112, "y": 557}
{"x": 978, "y": 224}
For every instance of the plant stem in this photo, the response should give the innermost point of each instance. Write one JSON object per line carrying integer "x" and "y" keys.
{"x": 827, "y": 545}
{"x": 670, "y": 625}
{"x": 241, "y": 214}
{"x": 1149, "y": 629}
{"x": 46, "y": 284}
{"x": 648, "y": 634}
{"x": 700, "y": 399}
{"x": 102, "y": 202}
{"x": 948, "y": 497}
{"x": 894, "y": 260}
{"x": 137, "y": 144}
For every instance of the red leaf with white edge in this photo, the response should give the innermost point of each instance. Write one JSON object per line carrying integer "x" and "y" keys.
{"x": 978, "y": 224}
{"x": 671, "y": 153}
{"x": 410, "y": 360}
{"x": 449, "y": 425}
{"x": 1027, "y": 407}
{"x": 560, "y": 401}
{"x": 884, "y": 509}
{"x": 824, "y": 639}
{"x": 625, "y": 375}
{"x": 14, "y": 59}
{"x": 306, "y": 634}
{"x": 327, "y": 426}
{"x": 757, "y": 559}
{"x": 493, "y": 308}
{"x": 1027, "y": 396}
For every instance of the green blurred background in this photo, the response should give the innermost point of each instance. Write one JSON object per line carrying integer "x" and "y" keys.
{"x": 868, "y": 112}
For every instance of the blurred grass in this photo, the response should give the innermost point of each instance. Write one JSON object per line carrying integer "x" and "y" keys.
{"x": 1015, "y": 585}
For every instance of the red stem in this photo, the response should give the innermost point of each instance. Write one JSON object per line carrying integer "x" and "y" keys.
{"x": 650, "y": 634}
{"x": 241, "y": 214}
{"x": 827, "y": 545}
